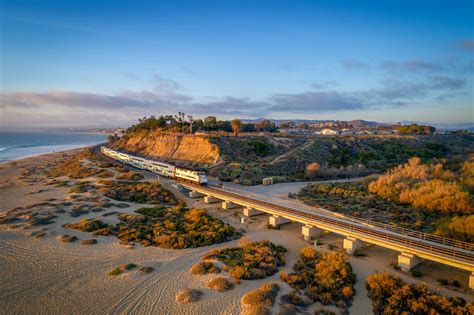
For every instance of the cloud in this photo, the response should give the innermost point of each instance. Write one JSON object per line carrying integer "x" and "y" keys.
{"x": 164, "y": 98}
{"x": 414, "y": 65}
{"x": 352, "y": 64}
{"x": 324, "y": 84}
{"x": 467, "y": 45}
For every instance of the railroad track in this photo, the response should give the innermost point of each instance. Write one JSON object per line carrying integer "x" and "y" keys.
{"x": 459, "y": 251}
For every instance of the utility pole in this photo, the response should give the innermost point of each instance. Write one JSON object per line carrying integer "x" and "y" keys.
{"x": 190, "y": 117}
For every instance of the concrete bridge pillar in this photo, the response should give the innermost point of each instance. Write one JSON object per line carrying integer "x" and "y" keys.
{"x": 250, "y": 212}
{"x": 228, "y": 205}
{"x": 309, "y": 231}
{"x": 210, "y": 199}
{"x": 471, "y": 281}
{"x": 276, "y": 221}
{"x": 195, "y": 194}
{"x": 351, "y": 244}
{"x": 407, "y": 261}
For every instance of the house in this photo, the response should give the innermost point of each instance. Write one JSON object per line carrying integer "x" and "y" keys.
{"x": 327, "y": 131}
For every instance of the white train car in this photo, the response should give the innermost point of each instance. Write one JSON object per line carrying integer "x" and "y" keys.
{"x": 162, "y": 168}
{"x": 190, "y": 175}
{"x": 156, "y": 167}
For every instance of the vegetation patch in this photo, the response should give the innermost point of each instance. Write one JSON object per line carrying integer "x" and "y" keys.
{"x": 220, "y": 284}
{"x": 75, "y": 168}
{"x": 168, "y": 227}
{"x": 203, "y": 268}
{"x": 323, "y": 277}
{"x": 138, "y": 192}
{"x": 424, "y": 197}
{"x": 188, "y": 296}
{"x": 86, "y": 225}
{"x": 390, "y": 295}
{"x": 146, "y": 270}
{"x": 255, "y": 260}
{"x": 173, "y": 227}
{"x": 89, "y": 242}
{"x": 122, "y": 268}
{"x": 261, "y": 299}
{"x": 130, "y": 175}
{"x": 67, "y": 238}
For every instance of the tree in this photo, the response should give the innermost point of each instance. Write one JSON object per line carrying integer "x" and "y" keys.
{"x": 236, "y": 126}
{"x": 210, "y": 120}
{"x": 312, "y": 169}
{"x": 266, "y": 125}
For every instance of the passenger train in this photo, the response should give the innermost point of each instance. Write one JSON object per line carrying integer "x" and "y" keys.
{"x": 156, "y": 167}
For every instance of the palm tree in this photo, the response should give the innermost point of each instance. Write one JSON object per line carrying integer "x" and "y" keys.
{"x": 236, "y": 126}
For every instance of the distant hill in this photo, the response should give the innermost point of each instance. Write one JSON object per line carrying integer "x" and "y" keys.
{"x": 359, "y": 123}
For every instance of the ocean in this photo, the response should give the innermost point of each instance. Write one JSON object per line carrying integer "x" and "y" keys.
{"x": 19, "y": 144}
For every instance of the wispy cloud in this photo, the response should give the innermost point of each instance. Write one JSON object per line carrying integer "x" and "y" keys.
{"x": 324, "y": 84}
{"x": 352, "y": 64}
{"x": 467, "y": 44}
{"x": 414, "y": 65}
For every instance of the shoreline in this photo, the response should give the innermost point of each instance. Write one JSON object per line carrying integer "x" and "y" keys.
{"x": 61, "y": 148}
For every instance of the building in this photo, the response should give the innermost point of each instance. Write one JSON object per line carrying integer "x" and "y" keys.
{"x": 327, "y": 132}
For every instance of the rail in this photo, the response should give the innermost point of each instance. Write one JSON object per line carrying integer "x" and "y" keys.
{"x": 385, "y": 226}
{"x": 356, "y": 226}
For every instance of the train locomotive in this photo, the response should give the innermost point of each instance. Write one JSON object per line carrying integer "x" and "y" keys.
{"x": 160, "y": 168}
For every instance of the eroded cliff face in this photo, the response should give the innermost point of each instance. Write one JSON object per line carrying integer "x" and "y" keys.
{"x": 187, "y": 148}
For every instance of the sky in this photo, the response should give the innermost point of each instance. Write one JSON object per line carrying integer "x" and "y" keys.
{"x": 107, "y": 63}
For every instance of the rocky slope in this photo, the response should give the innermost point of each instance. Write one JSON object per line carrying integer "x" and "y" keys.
{"x": 183, "y": 150}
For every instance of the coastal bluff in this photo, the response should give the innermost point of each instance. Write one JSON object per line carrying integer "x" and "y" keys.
{"x": 186, "y": 148}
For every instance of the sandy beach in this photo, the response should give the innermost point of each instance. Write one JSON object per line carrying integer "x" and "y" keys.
{"x": 42, "y": 275}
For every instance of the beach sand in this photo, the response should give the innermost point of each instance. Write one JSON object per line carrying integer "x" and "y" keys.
{"x": 46, "y": 276}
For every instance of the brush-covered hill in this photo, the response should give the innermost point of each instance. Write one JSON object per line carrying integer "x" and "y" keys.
{"x": 248, "y": 159}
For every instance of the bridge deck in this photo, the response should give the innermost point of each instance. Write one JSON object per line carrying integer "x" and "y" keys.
{"x": 452, "y": 252}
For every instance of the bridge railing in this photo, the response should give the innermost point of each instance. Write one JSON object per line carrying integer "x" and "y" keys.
{"x": 369, "y": 223}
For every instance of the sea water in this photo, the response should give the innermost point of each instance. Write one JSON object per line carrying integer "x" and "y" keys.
{"x": 19, "y": 144}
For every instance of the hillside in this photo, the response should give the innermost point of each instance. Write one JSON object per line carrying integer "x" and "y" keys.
{"x": 248, "y": 159}
{"x": 187, "y": 150}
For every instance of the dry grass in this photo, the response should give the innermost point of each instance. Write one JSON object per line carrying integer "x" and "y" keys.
{"x": 188, "y": 296}
{"x": 221, "y": 284}
{"x": 89, "y": 242}
{"x": 260, "y": 300}
{"x": 146, "y": 270}
{"x": 66, "y": 238}
{"x": 86, "y": 225}
{"x": 120, "y": 269}
{"x": 204, "y": 267}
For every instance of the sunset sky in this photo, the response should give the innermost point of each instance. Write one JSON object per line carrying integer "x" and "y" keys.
{"x": 75, "y": 63}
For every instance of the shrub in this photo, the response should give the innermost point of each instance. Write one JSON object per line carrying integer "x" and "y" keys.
{"x": 255, "y": 260}
{"x": 416, "y": 273}
{"x": 146, "y": 270}
{"x": 391, "y": 296}
{"x": 89, "y": 242}
{"x": 456, "y": 283}
{"x": 264, "y": 295}
{"x": 67, "y": 238}
{"x": 188, "y": 296}
{"x": 129, "y": 175}
{"x": 139, "y": 192}
{"x": 120, "y": 269}
{"x": 86, "y": 225}
{"x": 443, "y": 281}
{"x": 325, "y": 277}
{"x": 220, "y": 284}
{"x": 202, "y": 268}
